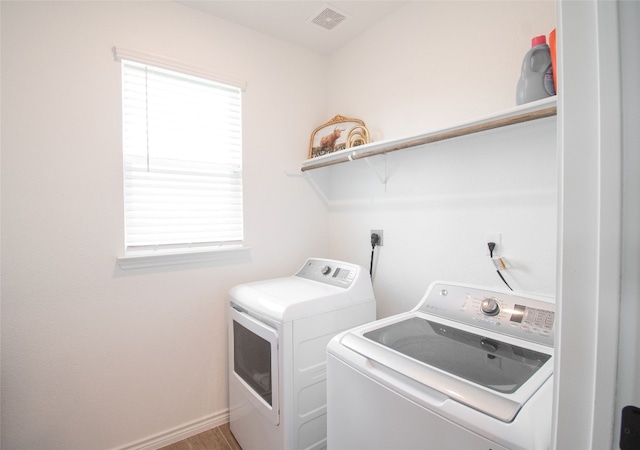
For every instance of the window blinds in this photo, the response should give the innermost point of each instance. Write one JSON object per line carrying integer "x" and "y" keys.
{"x": 182, "y": 160}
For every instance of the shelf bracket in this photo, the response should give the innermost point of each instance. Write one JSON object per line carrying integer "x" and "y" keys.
{"x": 296, "y": 173}
{"x": 383, "y": 177}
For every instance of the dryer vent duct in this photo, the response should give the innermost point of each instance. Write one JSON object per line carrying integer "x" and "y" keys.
{"x": 327, "y": 17}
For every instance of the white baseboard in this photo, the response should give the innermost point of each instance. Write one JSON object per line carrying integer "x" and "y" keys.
{"x": 179, "y": 433}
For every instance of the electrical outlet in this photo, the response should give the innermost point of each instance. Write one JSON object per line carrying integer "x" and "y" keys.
{"x": 380, "y": 234}
{"x": 492, "y": 237}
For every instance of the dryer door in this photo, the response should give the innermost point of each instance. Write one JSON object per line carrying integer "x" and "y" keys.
{"x": 255, "y": 362}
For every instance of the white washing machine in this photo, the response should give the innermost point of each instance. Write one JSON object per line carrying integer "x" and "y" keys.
{"x": 278, "y": 333}
{"x": 468, "y": 368}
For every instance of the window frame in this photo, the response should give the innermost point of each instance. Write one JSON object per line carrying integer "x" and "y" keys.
{"x": 167, "y": 256}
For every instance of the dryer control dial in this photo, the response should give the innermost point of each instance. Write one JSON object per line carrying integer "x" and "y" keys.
{"x": 325, "y": 270}
{"x": 490, "y": 307}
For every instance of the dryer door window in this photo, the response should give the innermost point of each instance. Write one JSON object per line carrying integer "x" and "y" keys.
{"x": 252, "y": 361}
{"x": 255, "y": 361}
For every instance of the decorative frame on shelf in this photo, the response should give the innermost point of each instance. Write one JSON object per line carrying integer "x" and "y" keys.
{"x": 358, "y": 135}
{"x": 332, "y": 136}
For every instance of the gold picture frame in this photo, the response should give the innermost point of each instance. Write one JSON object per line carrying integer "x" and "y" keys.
{"x": 332, "y": 136}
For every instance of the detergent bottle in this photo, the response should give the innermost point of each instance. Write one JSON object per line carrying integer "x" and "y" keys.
{"x": 536, "y": 79}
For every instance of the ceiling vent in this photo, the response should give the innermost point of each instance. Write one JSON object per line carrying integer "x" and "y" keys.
{"x": 327, "y": 17}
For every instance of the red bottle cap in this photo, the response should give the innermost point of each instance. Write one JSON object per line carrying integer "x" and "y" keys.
{"x": 538, "y": 40}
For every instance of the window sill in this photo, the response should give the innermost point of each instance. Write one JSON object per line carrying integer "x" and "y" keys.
{"x": 221, "y": 256}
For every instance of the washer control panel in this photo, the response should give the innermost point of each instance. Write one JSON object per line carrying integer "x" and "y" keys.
{"x": 335, "y": 273}
{"x": 520, "y": 315}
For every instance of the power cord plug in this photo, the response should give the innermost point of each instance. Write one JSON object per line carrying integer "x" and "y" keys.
{"x": 375, "y": 240}
{"x": 491, "y": 246}
{"x": 500, "y": 263}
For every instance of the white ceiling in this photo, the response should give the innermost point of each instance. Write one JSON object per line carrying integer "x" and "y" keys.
{"x": 290, "y": 20}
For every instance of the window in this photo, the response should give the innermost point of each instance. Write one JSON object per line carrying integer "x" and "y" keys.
{"x": 182, "y": 140}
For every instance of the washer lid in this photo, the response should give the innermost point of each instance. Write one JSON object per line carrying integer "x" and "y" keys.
{"x": 493, "y": 364}
{"x": 491, "y": 373}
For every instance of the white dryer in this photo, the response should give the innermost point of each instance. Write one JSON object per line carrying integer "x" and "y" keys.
{"x": 278, "y": 333}
{"x": 468, "y": 368}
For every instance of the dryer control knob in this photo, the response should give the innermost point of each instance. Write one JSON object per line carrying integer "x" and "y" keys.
{"x": 325, "y": 270}
{"x": 490, "y": 307}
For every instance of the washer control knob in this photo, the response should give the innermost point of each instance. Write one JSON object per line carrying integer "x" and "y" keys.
{"x": 325, "y": 270}
{"x": 490, "y": 307}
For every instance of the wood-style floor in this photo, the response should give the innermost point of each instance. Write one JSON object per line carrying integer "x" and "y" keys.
{"x": 215, "y": 439}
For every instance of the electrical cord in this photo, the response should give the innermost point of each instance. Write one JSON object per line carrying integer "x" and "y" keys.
{"x": 505, "y": 281}
{"x": 492, "y": 246}
{"x": 375, "y": 239}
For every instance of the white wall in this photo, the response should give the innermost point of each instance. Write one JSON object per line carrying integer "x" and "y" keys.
{"x": 93, "y": 356}
{"x": 434, "y": 64}
{"x": 428, "y": 66}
